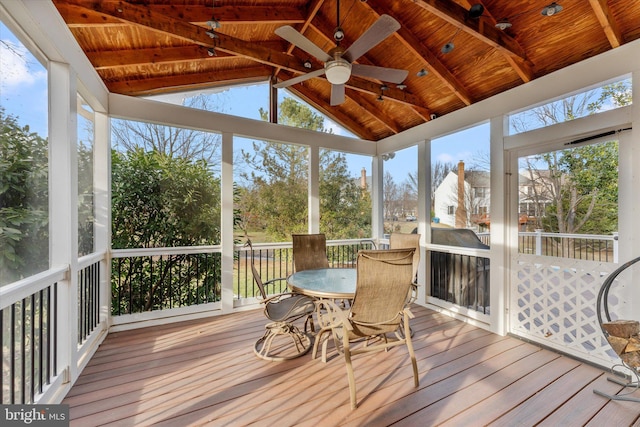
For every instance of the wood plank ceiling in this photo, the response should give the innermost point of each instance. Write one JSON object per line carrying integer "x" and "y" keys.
{"x": 143, "y": 47}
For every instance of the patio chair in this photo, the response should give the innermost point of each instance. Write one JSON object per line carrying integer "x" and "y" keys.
{"x": 282, "y": 309}
{"x": 379, "y": 307}
{"x": 408, "y": 240}
{"x": 309, "y": 251}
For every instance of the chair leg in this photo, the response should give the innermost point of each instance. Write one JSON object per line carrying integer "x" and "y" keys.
{"x": 412, "y": 354}
{"x": 350, "y": 375}
{"x": 302, "y": 341}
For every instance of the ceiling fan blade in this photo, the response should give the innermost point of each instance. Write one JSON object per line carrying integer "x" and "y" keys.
{"x": 380, "y": 30}
{"x": 391, "y": 75}
{"x": 300, "y": 78}
{"x": 337, "y": 94}
{"x": 291, "y": 35}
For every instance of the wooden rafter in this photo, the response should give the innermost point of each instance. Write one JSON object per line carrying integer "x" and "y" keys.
{"x": 369, "y": 108}
{"x": 607, "y": 22}
{"x": 458, "y": 16}
{"x": 173, "y": 83}
{"x": 519, "y": 65}
{"x": 406, "y": 37}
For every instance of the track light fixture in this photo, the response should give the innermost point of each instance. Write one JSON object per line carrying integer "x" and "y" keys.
{"x": 450, "y": 46}
{"x": 211, "y": 52}
{"x": 422, "y": 73}
{"x": 388, "y": 156}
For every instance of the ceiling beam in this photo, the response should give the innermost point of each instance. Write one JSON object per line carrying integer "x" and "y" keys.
{"x": 371, "y": 108}
{"x": 250, "y": 15}
{"x": 140, "y": 15}
{"x": 607, "y": 22}
{"x": 175, "y": 83}
{"x": 139, "y": 57}
{"x": 334, "y": 114}
{"x": 459, "y": 16}
{"x": 521, "y": 66}
{"x": 430, "y": 60}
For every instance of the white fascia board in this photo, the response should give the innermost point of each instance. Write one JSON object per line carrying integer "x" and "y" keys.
{"x": 133, "y": 108}
{"x": 585, "y": 74}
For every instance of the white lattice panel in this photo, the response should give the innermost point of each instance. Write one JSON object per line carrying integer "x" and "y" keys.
{"x": 553, "y": 302}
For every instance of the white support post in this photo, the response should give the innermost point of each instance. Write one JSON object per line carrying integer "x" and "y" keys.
{"x": 314, "y": 190}
{"x": 226, "y": 229}
{"x": 63, "y": 207}
{"x": 424, "y": 215}
{"x": 629, "y": 203}
{"x": 102, "y": 208}
{"x": 500, "y": 249}
{"x": 377, "y": 198}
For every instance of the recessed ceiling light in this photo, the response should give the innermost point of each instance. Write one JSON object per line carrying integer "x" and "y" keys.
{"x": 422, "y": 73}
{"x": 503, "y": 24}
{"x": 551, "y": 9}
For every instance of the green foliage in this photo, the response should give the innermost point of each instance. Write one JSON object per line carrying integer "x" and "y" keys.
{"x": 24, "y": 212}
{"x": 163, "y": 201}
{"x": 276, "y": 200}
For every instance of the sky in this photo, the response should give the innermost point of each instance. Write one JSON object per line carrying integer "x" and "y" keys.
{"x": 23, "y": 94}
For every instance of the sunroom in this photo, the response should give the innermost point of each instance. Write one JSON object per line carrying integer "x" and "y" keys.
{"x": 99, "y": 289}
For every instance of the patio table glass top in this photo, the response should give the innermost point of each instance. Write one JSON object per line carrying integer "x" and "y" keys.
{"x": 324, "y": 282}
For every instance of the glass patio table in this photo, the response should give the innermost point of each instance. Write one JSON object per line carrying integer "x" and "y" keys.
{"x": 330, "y": 283}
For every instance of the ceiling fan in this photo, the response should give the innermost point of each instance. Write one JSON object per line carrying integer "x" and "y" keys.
{"x": 339, "y": 63}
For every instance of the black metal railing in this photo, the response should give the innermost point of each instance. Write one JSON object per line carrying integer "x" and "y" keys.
{"x": 29, "y": 336}
{"x": 88, "y": 300}
{"x": 275, "y": 262}
{"x": 461, "y": 279}
{"x": 160, "y": 282}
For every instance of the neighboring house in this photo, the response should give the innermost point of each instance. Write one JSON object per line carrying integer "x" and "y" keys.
{"x": 533, "y": 199}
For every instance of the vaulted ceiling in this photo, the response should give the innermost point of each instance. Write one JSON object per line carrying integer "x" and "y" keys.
{"x": 143, "y": 47}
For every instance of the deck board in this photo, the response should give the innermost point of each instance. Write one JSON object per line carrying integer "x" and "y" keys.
{"x": 204, "y": 372}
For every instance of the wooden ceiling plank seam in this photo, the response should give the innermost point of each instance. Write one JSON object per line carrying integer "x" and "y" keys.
{"x": 459, "y": 16}
{"x": 413, "y": 44}
{"x": 146, "y": 18}
{"x": 607, "y": 22}
{"x": 369, "y": 108}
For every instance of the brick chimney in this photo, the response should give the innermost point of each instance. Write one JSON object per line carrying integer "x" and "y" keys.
{"x": 461, "y": 211}
{"x": 363, "y": 179}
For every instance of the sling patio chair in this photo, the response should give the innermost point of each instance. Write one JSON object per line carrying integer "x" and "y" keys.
{"x": 282, "y": 310}
{"x": 408, "y": 240}
{"x": 379, "y": 307}
{"x": 309, "y": 251}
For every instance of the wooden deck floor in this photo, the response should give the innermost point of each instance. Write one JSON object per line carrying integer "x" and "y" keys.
{"x": 205, "y": 373}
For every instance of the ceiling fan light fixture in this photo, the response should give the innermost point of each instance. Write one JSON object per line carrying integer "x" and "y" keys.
{"x": 503, "y": 24}
{"x": 337, "y": 71}
{"x": 448, "y": 47}
{"x": 551, "y": 9}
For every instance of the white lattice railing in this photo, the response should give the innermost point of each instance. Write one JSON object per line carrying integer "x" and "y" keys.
{"x": 553, "y": 302}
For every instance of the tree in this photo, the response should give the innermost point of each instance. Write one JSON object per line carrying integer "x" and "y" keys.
{"x": 24, "y": 200}
{"x": 579, "y": 184}
{"x": 277, "y": 177}
{"x": 163, "y": 201}
{"x": 192, "y": 144}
